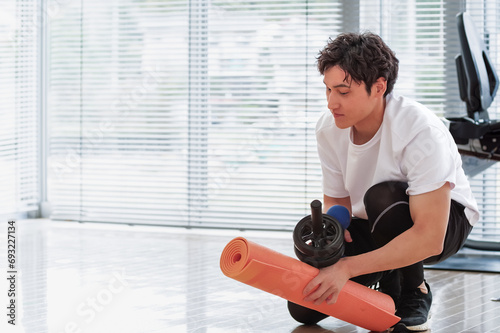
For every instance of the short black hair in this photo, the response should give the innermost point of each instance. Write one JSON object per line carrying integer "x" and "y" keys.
{"x": 364, "y": 57}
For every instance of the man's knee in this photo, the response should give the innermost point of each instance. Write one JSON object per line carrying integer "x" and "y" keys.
{"x": 382, "y": 195}
{"x": 388, "y": 210}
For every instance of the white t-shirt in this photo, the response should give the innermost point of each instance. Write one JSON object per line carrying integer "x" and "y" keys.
{"x": 412, "y": 145}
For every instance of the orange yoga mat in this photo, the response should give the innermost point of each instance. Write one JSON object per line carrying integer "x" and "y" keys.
{"x": 286, "y": 277}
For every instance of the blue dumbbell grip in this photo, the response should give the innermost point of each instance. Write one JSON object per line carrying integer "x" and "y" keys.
{"x": 341, "y": 214}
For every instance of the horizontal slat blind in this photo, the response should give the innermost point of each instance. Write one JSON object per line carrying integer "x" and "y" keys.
{"x": 119, "y": 101}
{"x": 197, "y": 113}
{"x": 202, "y": 113}
{"x": 64, "y": 128}
{"x": 264, "y": 98}
{"x": 19, "y": 95}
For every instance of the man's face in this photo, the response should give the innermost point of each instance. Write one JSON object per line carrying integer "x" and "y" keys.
{"x": 348, "y": 101}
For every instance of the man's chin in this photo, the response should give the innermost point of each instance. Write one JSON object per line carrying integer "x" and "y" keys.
{"x": 341, "y": 124}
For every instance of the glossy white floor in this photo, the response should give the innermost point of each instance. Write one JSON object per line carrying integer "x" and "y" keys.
{"x": 110, "y": 278}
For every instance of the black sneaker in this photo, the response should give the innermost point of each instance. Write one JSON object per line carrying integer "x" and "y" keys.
{"x": 413, "y": 310}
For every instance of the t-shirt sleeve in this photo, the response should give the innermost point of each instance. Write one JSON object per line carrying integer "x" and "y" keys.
{"x": 333, "y": 180}
{"x": 428, "y": 161}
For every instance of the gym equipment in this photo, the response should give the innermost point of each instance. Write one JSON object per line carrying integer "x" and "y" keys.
{"x": 319, "y": 238}
{"x": 476, "y": 135}
{"x": 286, "y": 277}
{"x": 318, "y": 242}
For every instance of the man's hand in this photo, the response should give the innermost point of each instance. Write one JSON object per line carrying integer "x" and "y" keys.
{"x": 327, "y": 284}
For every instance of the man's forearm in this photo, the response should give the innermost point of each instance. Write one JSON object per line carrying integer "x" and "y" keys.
{"x": 408, "y": 248}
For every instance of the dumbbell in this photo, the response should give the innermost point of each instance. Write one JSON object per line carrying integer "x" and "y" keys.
{"x": 319, "y": 238}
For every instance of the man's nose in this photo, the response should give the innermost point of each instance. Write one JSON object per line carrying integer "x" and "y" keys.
{"x": 332, "y": 103}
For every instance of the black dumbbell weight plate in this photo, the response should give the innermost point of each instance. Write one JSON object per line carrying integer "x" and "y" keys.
{"x": 322, "y": 249}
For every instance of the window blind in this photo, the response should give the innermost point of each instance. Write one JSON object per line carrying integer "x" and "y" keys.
{"x": 195, "y": 113}
{"x": 19, "y": 95}
{"x": 118, "y": 99}
{"x": 202, "y": 113}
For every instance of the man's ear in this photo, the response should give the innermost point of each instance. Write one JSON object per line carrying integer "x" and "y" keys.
{"x": 380, "y": 86}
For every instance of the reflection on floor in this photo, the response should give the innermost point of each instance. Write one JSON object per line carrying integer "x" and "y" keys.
{"x": 108, "y": 278}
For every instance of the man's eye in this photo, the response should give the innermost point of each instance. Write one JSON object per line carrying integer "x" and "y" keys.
{"x": 343, "y": 93}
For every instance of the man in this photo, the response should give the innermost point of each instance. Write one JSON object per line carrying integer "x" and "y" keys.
{"x": 394, "y": 165}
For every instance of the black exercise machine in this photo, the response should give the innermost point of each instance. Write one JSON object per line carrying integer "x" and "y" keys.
{"x": 476, "y": 135}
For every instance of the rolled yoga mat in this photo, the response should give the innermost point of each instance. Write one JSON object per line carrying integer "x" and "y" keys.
{"x": 286, "y": 277}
